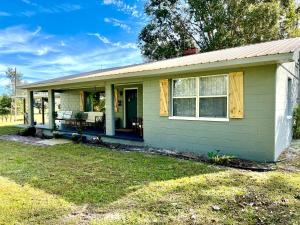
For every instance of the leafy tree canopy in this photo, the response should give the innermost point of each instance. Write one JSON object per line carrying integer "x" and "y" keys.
{"x": 176, "y": 25}
{"x": 5, "y": 104}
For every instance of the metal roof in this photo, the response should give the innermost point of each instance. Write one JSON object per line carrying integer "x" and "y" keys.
{"x": 272, "y": 48}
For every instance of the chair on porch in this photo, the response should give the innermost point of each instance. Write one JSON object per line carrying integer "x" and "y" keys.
{"x": 137, "y": 126}
{"x": 95, "y": 119}
{"x": 64, "y": 116}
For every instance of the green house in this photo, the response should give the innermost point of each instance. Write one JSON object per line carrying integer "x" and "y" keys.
{"x": 239, "y": 101}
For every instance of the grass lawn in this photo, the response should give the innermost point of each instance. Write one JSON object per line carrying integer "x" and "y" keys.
{"x": 9, "y": 121}
{"x": 72, "y": 184}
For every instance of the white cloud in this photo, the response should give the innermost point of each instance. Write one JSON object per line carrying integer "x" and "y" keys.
{"x": 41, "y": 56}
{"x": 4, "y": 82}
{"x": 118, "y": 44}
{"x": 122, "y": 6}
{"x": 28, "y": 13}
{"x": 100, "y": 37}
{"x": 26, "y": 1}
{"x": 67, "y": 64}
{"x": 19, "y": 40}
{"x": 2, "y": 13}
{"x": 118, "y": 23}
{"x": 60, "y": 8}
{"x": 65, "y": 7}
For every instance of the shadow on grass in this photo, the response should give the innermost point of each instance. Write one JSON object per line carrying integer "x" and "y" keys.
{"x": 82, "y": 174}
{"x": 238, "y": 197}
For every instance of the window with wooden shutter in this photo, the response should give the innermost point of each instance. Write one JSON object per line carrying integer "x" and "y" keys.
{"x": 236, "y": 95}
{"x": 81, "y": 101}
{"x": 164, "y": 97}
{"x": 116, "y": 100}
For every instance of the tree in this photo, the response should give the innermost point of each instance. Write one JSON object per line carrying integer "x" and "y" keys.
{"x": 214, "y": 24}
{"x": 15, "y": 78}
{"x": 165, "y": 35}
{"x": 5, "y": 105}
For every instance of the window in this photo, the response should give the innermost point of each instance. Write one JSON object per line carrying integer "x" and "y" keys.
{"x": 184, "y": 97}
{"x": 213, "y": 96}
{"x": 94, "y": 101}
{"x": 200, "y": 97}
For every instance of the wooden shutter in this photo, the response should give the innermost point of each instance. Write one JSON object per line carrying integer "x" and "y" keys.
{"x": 116, "y": 100}
{"x": 81, "y": 102}
{"x": 236, "y": 95}
{"x": 164, "y": 97}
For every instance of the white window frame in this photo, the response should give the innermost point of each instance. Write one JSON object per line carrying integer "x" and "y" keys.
{"x": 197, "y": 117}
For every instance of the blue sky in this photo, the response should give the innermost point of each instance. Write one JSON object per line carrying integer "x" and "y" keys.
{"x": 47, "y": 39}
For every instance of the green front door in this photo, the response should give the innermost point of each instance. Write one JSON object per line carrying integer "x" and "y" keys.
{"x": 131, "y": 106}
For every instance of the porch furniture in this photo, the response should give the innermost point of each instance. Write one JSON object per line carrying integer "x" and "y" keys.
{"x": 137, "y": 125}
{"x": 100, "y": 121}
{"x": 65, "y": 116}
{"x": 78, "y": 120}
{"x": 94, "y": 118}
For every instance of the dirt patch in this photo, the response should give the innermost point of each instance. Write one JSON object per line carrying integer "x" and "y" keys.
{"x": 34, "y": 140}
{"x": 82, "y": 215}
{"x": 234, "y": 163}
{"x": 289, "y": 160}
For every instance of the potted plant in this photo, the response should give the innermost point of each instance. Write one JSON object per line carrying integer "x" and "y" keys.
{"x": 79, "y": 116}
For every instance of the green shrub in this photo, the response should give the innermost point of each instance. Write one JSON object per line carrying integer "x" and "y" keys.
{"x": 296, "y": 123}
{"x": 79, "y": 116}
{"x": 76, "y": 137}
{"x": 29, "y": 131}
{"x": 217, "y": 158}
{"x": 56, "y": 134}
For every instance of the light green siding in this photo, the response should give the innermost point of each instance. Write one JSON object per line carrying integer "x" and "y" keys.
{"x": 251, "y": 137}
{"x": 284, "y": 121}
{"x": 70, "y": 101}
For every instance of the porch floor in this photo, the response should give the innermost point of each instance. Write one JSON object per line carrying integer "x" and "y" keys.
{"x": 92, "y": 131}
{"x": 118, "y": 134}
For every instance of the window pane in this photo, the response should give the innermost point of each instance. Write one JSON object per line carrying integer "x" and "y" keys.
{"x": 213, "y": 85}
{"x": 184, "y": 87}
{"x": 213, "y": 107}
{"x": 184, "y": 107}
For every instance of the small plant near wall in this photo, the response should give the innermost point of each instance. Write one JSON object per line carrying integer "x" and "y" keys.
{"x": 29, "y": 131}
{"x": 96, "y": 140}
{"x": 296, "y": 123}
{"x": 76, "y": 138}
{"x": 56, "y": 134}
{"x": 220, "y": 159}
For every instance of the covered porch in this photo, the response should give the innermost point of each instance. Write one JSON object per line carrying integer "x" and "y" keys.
{"x": 108, "y": 110}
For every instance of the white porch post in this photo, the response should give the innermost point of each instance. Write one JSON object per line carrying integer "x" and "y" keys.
{"x": 30, "y": 109}
{"x": 51, "y": 108}
{"x": 109, "y": 110}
